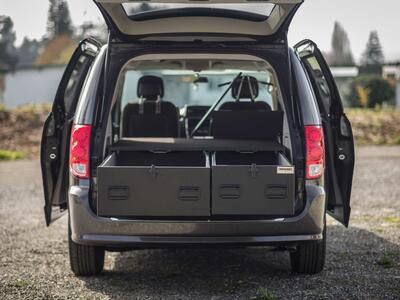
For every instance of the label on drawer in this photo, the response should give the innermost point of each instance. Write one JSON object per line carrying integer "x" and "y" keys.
{"x": 285, "y": 170}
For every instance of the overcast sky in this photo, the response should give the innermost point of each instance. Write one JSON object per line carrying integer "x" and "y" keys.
{"x": 314, "y": 20}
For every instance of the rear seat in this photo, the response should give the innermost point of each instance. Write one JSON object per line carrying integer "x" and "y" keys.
{"x": 151, "y": 117}
{"x": 246, "y": 120}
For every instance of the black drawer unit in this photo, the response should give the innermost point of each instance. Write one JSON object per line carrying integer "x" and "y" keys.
{"x": 140, "y": 183}
{"x": 259, "y": 183}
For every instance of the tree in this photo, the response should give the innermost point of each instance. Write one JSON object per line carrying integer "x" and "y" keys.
{"x": 56, "y": 51}
{"x": 370, "y": 91}
{"x": 380, "y": 92}
{"x": 8, "y": 56}
{"x": 373, "y": 54}
{"x": 28, "y": 51}
{"x": 59, "y": 20}
{"x": 341, "y": 52}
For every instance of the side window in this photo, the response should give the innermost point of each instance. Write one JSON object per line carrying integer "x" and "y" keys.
{"x": 75, "y": 83}
{"x": 320, "y": 82}
{"x": 305, "y": 92}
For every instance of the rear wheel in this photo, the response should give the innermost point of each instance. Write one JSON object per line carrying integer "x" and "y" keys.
{"x": 85, "y": 260}
{"x": 309, "y": 258}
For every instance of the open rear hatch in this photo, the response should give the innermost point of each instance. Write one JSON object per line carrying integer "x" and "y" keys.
{"x": 213, "y": 19}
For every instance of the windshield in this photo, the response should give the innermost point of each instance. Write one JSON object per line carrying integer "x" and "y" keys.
{"x": 191, "y": 88}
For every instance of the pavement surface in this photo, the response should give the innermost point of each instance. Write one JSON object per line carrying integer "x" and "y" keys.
{"x": 363, "y": 262}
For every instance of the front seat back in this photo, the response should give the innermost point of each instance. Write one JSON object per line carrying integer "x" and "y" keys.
{"x": 246, "y": 120}
{"x": 245, "y": 87}
{"x": 151, "y": 117}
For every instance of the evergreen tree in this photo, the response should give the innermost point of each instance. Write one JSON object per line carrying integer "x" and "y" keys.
{"x": 341, "y": 52}
{"x": 28, "y": 51}
{"x": 59, "y": 20}
{"x": 373, "y": 55}
{"x": 8, "y": 56}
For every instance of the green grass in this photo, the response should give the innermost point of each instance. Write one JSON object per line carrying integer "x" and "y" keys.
{"x": 21, "y": 283}
{"x": 386, "y": 261}
{"x": 11, "y": 155}
{"x": 263, "y": 294}
{"x": 393, "y": 220}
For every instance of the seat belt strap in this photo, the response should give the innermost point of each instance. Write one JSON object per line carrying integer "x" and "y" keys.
{"x": 141, "y": 106}
{"x": 251, "y": 89}
{"x": 158, "y": 105}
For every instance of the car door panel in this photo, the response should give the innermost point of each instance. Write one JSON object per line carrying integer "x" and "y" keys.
{"x": 56, "y": 130}
{"x": 339, "y": 144}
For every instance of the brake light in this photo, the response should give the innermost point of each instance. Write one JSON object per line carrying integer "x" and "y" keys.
{"x": 315, "y": 151}
{"x": 79, "y": 151}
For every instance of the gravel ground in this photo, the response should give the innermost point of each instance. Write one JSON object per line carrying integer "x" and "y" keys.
{"x": 363, "y": 262}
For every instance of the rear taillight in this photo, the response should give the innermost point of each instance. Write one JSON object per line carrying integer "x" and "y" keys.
{"x": 79, "y": 150}
{"x": 315, "y": 151}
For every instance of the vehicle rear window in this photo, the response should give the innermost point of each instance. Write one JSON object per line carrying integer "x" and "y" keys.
{"x": 261, "y": 9}
{"x": 181, "y": 88}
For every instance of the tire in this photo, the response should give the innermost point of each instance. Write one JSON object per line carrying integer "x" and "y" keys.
{"x": 85, "y": 260}
{"x": 309, "y": 258}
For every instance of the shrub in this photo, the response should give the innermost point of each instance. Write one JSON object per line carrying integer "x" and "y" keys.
{"x": 371, "y": 91}
{"x": 11, "y": 155}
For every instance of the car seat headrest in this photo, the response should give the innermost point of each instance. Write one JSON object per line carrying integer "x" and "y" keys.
{"x": 150, "y": 88}
{"x": 245, "y": 87}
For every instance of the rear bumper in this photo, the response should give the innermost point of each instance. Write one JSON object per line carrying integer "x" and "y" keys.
{"x": 90, "y": 229}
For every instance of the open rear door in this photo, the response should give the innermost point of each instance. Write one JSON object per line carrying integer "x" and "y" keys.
{"x": 199, "y": 19}
{"x": 54, "y": 153}
{"x": 337, "y": 130}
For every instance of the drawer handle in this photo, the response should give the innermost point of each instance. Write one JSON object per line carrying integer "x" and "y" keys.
{"x": 229, "y": 191}
{"x": 118, "y": 193}
{"x": 276, "y": 191}
{"x": 189, "y": 193}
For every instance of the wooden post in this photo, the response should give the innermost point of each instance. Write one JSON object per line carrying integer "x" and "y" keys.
{"x": 2, "y": 86}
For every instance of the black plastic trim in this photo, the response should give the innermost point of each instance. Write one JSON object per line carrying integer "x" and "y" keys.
{"x": 198, "y": 12}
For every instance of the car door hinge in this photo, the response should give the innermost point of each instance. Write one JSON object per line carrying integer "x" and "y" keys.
{"x": 94, "y": 162}
{"x": 300, "y": 167}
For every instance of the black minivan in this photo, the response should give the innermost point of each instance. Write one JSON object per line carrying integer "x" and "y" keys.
{"x": 197, "y": 125}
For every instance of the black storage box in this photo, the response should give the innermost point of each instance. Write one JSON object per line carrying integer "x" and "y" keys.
{"x": 154, "y": 184}
{"x": 260, "y": 183}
